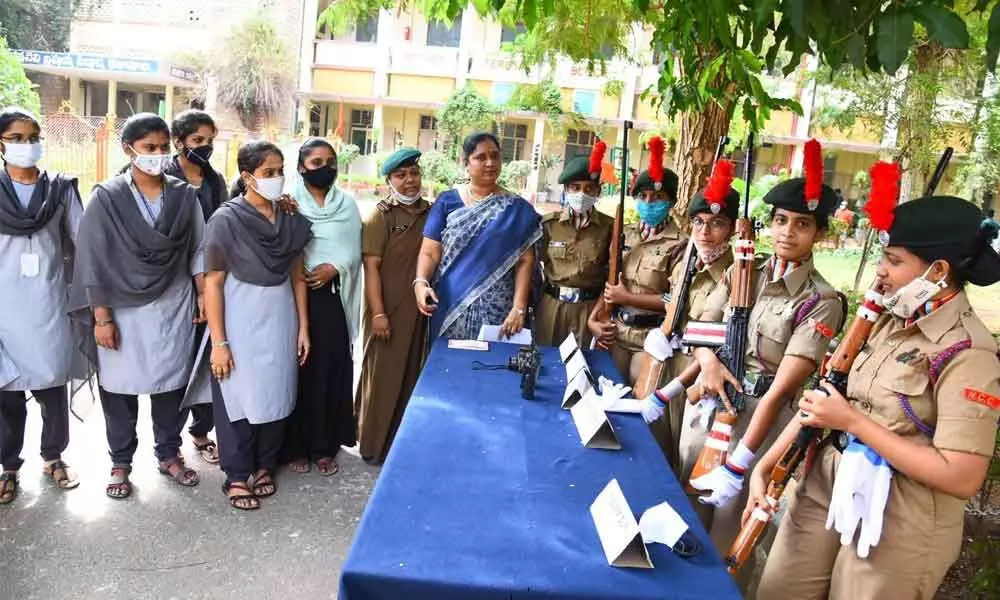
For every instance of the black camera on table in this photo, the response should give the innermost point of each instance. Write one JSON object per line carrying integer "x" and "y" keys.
{"x": 527, "y": 362}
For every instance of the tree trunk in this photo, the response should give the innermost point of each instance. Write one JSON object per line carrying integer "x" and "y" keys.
{"x": 699, "y": 136}
{"x": 917, "y": 125}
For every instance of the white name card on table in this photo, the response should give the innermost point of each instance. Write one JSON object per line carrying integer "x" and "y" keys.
{"x": 491, "y": 333}
{"x": 576, "y": 364}
{"x": 616, "y": 526}
{"x": 575, "y": 389}
{"x": 592, "y": 424}
{"x": 468, "y": 345}
{"x": 568, "y": 347}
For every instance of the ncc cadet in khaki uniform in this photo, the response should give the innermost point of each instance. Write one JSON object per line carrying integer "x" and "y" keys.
{"x": 574, "y": 255}
{"x": 923, "y": 403}
{"x": 795, "y": 313}
{"x": 712, "y": 227}
{"x": 652, "y": 248}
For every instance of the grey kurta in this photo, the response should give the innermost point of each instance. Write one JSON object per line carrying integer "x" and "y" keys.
{"x": 262, "y": 328}
{"x": 155, "y": 339}
{"x": 35, "y": 332}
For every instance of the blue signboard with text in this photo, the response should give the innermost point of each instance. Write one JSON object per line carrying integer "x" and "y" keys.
{"x": 92, "y": 62}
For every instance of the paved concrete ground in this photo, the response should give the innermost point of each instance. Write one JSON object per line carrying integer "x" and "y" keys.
{"x": 167, "y": 542}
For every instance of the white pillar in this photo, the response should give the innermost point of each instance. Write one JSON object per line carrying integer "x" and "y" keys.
{"x": 168, "y": 103}
{"x": 383, "y": 46}
{"x": 807, "y": 98}
{"x": 307, "y": 48}
{"x": 88, "y": 108}
{"x": 378, "y": 132}
{"x": 76, "y": 95}
{"x": 537, "y": 147}
{"x": 465, "y": 45}
{"x": 112, "y": 108}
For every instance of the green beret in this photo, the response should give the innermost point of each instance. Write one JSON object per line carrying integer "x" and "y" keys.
{"x": 645, "y": 183}
{"x": 948, "y": 228}
{"x": 791, "y": 195}
{"x": 577, "y": 169}
{"x": 731, "y": 209}
{"x": 403, "y": 157}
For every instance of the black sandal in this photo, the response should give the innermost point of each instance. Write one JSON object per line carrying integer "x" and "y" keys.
{"x": 242, "y": 501}
{"x": 183, "y": 475}
{"x": 263, "y": 484}
{"x": 8, "y": 487}
{"x": 119, "y": 487}
{"x": 208, "y": 451}
{"x": 58, "y": 472}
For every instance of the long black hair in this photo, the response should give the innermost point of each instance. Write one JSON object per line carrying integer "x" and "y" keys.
{"x": 12, "y": 114}
{"x": 473, "y": 140}
{"x": 188, "y": 122}
{"x": 250, "y": 156}
{"x": 311, "y": 144}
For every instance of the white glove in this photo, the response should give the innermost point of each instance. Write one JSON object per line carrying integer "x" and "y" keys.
{"x": 611, "y": 391}
{"x": 843, "y": 516}
{"x": 653, "y": 406}
{"x": 659, "y": 346}
{"x": 725, "y": 482}
{"x": 876, "y": 495}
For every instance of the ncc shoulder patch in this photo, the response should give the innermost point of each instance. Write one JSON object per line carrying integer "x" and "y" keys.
{"x": 987, "y": 400}
{"x": 821, "y": 328}
{"x": 383, "y": 207}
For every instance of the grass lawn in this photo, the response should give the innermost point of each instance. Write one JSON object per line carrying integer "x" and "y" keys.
{"x": 839, "y": 270}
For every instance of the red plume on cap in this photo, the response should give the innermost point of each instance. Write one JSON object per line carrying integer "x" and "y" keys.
{"x": 884, "y": 194}
{"x": 719, "y": 184}
{"x": 596, "y": 158}
{"x": 813, "y": 167}
{"x": 656, "y": 151}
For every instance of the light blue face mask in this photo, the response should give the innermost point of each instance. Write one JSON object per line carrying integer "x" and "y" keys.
{"x": 652, "y": 213}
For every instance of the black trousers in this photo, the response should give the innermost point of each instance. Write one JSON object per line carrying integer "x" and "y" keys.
{"x": 202, "y": 419}
{"x": 54, "y": 404}
{"x": 323, "y": 419}
{"x": 121, "y": 413}
{"x": 245, "y": 448}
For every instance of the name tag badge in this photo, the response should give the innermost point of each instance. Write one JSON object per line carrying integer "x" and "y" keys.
{"x": 30, "y": 265}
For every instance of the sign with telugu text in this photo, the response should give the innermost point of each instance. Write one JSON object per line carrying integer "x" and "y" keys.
{"x": 91, "y": 62}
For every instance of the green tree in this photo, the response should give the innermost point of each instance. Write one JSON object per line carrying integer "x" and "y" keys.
{"x": 37, "y": 24}
{"x": 255, "y": 71}
{"x": 15, "y": 88}
{"x": 465, "y": 111}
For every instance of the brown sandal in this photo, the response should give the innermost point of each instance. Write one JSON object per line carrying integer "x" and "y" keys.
{"x": 240, "y": 496}
{"x": 327, "y": 466}
{"x": 58, "y": 471}
{"x": 263, "y": 484}
{"x": 175, "y": 469}
{"x": 208, "y": 451}
{"x": 8, "y": 487}
{"x": 300, "y": 466}
{"x": 119, "y": 487}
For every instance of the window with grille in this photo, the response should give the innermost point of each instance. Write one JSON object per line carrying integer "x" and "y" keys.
{"x": 509, "y": 34}
{"x": 442, "y": 34}
{"x": 361, "y": 118}
{"x": 366, "y": 29}
{"x": 428, "y": 123}
{"x": 585, "y": 102}
{"x": 361, "y": 130}
{"x": 578, "y": 143}
{"x": 513, "y": 138}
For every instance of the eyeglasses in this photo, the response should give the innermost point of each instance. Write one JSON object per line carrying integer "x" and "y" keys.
{"x": 714, "y": 224}
{"x": 35, "y": 139}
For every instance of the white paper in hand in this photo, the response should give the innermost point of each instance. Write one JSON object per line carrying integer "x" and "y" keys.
{"x": 662, "y": 524}
{"x": 491, "y": 333}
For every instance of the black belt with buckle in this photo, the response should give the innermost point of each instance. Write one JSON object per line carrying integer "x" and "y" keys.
{"x": 639, "y": 320}
{"x": 572, "y": 294}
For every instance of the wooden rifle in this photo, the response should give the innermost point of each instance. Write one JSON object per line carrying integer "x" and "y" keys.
{"x": 603, "y": 309}
{"x": 839, "y": 367}
{"x": 651, "y": 369}
{"x": 733, "y": 351}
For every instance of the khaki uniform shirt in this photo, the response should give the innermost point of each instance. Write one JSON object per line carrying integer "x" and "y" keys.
{"x": 646, "y": 269}
{"x": 575, "y": 258}
{"x": 773, "y": 332}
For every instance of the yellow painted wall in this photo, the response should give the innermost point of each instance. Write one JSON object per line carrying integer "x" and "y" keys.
{"x": 644, "y": 110}
{"x": 958, "y": 137}
{"x": 861, "y": 132}
{"x": 780, "y": 123}
{"x": 340, "y": 81}
{"x": 485, "y": 88}
{"x": 419, "y": 88}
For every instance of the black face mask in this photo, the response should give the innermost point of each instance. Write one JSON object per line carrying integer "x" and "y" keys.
{"x": 199, "y": 155}
{"x": 321, "y": 177}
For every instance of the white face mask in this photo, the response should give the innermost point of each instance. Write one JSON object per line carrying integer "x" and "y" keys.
{"x": 151, "y": 164}
{"x": 403, "y": 198}
{"x": 270, "y": 188}
{"x": 909, "y": 298}
{"x": 22, "y": 155}
{"x": 580, "y": 202}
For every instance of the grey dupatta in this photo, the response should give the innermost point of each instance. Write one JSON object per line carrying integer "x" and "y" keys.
{"x": 50, "y": 193}
{"x": 241, "y": 241}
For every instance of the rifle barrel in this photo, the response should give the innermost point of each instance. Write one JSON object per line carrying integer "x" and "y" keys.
{"x": 935, "y": 179}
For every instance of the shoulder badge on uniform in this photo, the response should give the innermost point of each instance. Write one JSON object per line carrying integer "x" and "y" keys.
{"x": 988, "y": 400}
{"x": 383, "y": 206}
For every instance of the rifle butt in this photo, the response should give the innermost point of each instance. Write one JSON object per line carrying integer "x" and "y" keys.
{"x": 751, "y": 533}
{"x": 713, "y": 453}
{"x": 649, "y": 376}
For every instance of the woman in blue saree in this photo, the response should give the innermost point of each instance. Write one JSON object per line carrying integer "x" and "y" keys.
{"x": 478, "y": 251}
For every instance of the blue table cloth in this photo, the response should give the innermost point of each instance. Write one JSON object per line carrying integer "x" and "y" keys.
{"x": 486, "y": 495}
